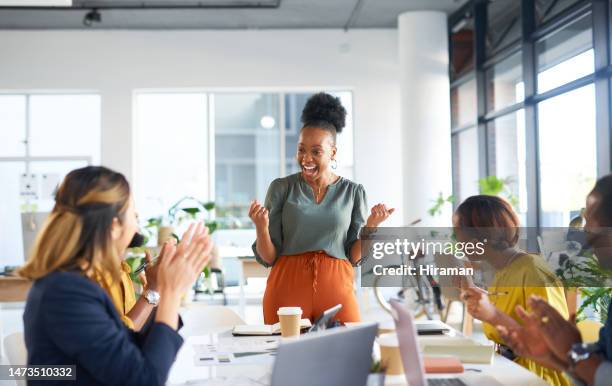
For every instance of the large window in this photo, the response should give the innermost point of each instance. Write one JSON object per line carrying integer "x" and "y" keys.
{"x": 504, "y": 25}
{"x": 505, "y": 83}
{"x": 530, "y": 106}
{"x": 568, "y": 163}
{"x": 37, "y": 137}
{"x": 221, "y": 146}
{"x": 247, "y": 151}
{"x": 465, "y": 161}
{"x": 507, "y": 158}
{"x": 463, "y": 104}
{"x": 171, "y": 150}
{"x": 566, "y": 54}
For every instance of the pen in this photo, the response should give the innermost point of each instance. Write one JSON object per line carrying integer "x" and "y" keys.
{"x": 497, "y": 293}
{"x": 145, "y": 265}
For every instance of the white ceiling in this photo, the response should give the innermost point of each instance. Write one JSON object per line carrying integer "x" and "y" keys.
{"x": 222, "y": 14}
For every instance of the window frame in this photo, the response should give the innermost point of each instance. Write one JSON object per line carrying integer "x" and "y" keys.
{"x": 532, "y": 32}
{"x": 27, "y": 158}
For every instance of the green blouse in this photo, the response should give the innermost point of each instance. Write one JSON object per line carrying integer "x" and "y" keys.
{"x": 298, "y": 224}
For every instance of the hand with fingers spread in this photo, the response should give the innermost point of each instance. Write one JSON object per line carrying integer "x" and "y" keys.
{"x": 526, "y": 341}
{"x": 378, "y": 215}
{"x": 179, "y": 267}
{"x": 182, "y": 264}
{"x": 259, "y": 215}
{"x": 559, "y": 334}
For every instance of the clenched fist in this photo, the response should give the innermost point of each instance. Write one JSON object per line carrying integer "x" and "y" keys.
{"x": 379, "y": 214}
{"x": 259, "y": 214}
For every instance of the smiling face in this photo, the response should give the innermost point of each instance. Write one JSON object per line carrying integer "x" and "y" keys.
{"x": 315, "y": 151}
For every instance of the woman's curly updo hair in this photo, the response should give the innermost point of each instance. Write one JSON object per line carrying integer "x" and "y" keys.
{"x": 324, "y": 111}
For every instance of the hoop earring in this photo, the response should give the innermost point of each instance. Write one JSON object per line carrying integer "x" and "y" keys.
{"x": 334, "y": 164}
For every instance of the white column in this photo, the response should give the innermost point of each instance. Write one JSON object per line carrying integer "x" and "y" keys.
{"x": 425, "y": 114}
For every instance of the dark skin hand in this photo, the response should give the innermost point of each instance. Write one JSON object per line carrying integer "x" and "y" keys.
{"x": 139, "y": 314}
{"x": 546, "y": 337}
{"x": 526, "y": 341}
{"x": 560, "y": 335}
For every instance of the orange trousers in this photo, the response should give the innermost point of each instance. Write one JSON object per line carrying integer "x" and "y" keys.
{"x": 313, "y": 281}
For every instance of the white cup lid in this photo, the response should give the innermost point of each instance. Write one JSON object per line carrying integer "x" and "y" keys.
{"x": 289, "y": 311}
{"x": 388, "y": 340}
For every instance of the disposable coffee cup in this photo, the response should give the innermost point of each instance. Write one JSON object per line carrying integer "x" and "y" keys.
{"x": 289, "y": 318}
{"x": 390, "y": 357}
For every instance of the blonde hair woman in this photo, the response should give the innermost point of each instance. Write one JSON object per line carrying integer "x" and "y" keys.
{"x": 69, "y": 318}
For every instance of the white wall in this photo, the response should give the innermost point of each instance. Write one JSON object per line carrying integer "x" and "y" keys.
{"x": 114, "y": 63}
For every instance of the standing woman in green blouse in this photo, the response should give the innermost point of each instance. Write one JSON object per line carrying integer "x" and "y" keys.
{"x": 309, "y": 226}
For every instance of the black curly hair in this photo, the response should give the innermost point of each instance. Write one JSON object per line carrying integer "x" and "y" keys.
{"x": 324, "y": 111}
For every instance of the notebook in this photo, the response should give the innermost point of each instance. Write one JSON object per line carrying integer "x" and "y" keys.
{"x": 442, "y": 365}
{"x": 473, "y": 353}
{"x": 432, "y": 327}
{"x": 264, "y": 329}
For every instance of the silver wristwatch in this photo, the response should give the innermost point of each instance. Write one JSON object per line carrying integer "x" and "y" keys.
{"x": 580, "y": 352}
{"x": 152, "y": 297}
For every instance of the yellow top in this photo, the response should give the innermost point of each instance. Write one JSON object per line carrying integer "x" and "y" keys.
{"x": 122, "y": 293}
{"x": 525, "y": 276}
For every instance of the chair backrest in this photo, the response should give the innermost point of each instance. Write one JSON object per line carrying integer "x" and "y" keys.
{"x": 200, "y": 319}
{"x": 15, "y": 349}
{"x": 589, "y": 330}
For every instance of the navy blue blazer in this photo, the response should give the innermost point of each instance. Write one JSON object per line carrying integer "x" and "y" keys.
{"x": 70, "y": 320}
{"x": 605, "y": 336}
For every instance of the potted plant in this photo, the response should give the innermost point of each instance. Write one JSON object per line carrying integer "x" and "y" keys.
{"x": 164, "y": 226}
{"x": 591, "y": 281}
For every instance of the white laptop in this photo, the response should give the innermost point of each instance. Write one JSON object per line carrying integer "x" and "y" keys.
{"x": 334, "y": 357}
{"x": 412, "y": 360}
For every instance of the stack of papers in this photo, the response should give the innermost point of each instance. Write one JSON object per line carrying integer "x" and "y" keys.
{"x": 467, "y": 350}
{"x": 227, "y": 352}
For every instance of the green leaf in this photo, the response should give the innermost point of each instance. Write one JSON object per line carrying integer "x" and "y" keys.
{"x": 212, "y": 226}
{"x": 491, "y": 185}
{"x": 191, "y": 211}
{"x": 439, "y": 202}
{"x": 153, "y": 222}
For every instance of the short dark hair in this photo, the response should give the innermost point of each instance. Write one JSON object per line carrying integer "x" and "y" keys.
{"x": 324, "y": 111}
{"x": 490, "y": 217}
{"x": 603, "y": 188}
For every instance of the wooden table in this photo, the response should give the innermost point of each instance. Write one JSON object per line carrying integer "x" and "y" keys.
{"x": 14, "y": 289}
{"x": 249, "y": 267}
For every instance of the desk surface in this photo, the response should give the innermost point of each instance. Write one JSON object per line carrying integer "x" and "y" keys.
{"x": 14, "y": 289}
{"x": 185, "y": 371}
